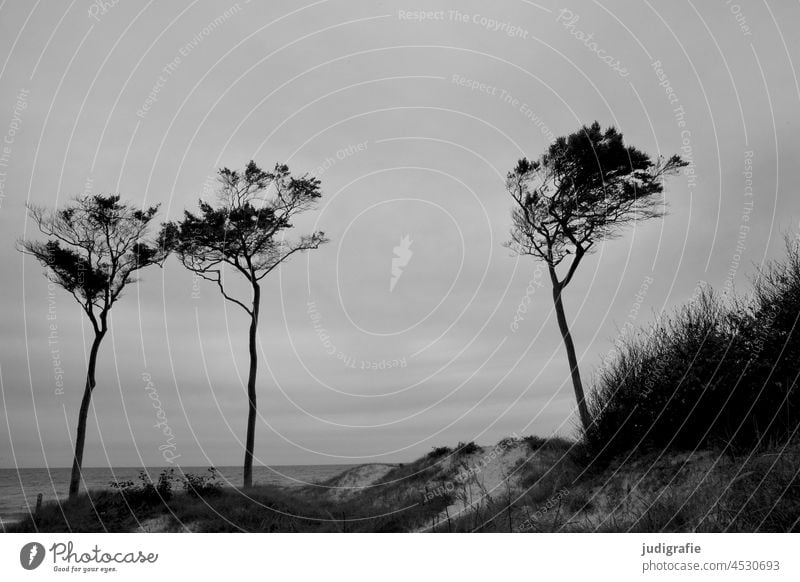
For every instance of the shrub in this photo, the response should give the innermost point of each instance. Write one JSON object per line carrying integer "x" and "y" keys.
{"x": 714, "y": 373}
{"x": 202, "y": 485}
{"x": 439, "y": 452}
{"x": 146, "y": 492}
{"x": 534, "y": 442}
{"x": 466, "y": 448}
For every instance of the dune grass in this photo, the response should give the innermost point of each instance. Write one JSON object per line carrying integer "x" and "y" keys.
{"x": 718, "y": 373}
{"x": 394, "y": 505}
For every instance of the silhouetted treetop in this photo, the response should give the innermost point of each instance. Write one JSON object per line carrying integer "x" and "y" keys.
{"x": 244, "y": 230}
{"x": 586, "y": 187}
{"x": 94, "y": 246}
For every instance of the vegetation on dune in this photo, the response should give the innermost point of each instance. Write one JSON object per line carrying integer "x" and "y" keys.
{"x": 716, "y": 373}
{"x": 654, "y": 494}
{"x": 552, "y": 491}
{"x": 394, "y": 505}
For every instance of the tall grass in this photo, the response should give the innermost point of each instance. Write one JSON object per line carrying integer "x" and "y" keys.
{"x": 716, "y": 373}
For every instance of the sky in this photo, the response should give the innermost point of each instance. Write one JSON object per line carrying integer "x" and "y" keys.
{"x": 410, "y": 114}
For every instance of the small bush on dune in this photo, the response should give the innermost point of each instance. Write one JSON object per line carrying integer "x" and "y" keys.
{"x": 202, "y": 485}
{"x": 507, "y": 442}
{"x": 146, "y": 492}
{"x": 439, "y": 452}
{"x": 466, "y": 448}
{"x": 534, "y": 442}
{"x": 554, "y": 443}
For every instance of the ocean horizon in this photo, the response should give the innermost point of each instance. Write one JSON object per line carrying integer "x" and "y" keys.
{"x": 19, "y": 488}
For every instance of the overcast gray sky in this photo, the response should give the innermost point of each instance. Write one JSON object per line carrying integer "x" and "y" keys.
{"x": 411, "y": 124}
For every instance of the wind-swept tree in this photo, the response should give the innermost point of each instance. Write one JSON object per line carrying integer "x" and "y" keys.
{"x": 584, "y": 189}
{"x": 94, "y": 247}
{"x": 244, "y": 233}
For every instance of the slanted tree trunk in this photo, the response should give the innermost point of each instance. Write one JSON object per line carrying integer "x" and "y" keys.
{"x": 583, "y": 409}
{"x": 80, "y": 439}
{"x": 251, "y": 389}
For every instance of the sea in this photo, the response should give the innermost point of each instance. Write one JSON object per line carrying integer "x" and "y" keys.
{"x": 19, "y": 488}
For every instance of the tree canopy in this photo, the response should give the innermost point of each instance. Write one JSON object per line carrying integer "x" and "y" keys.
{"x": 94, "y": 247}
{"x": 244, "y": 231}
{"x": 585, "y": 188}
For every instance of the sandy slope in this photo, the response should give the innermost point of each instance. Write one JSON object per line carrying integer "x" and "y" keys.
{"x": 355, "y": 480}
{"x": 473, "y": 480}
{"x": 531, "y": 486}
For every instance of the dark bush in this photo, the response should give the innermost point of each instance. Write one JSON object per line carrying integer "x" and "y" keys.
{"x": 466, "y": 448}
{"x": 439, "y": 452}
{"x": 713, "y": 374}
{"x": 202, "y": 485}
{"x": 534, "y": 442}
{"x": 146, "y": 492}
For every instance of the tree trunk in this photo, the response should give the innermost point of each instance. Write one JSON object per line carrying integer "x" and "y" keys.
{"x": 80, "y": 439}
{"x": 583, "y": 409}
{"x": 251, "y": 390}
